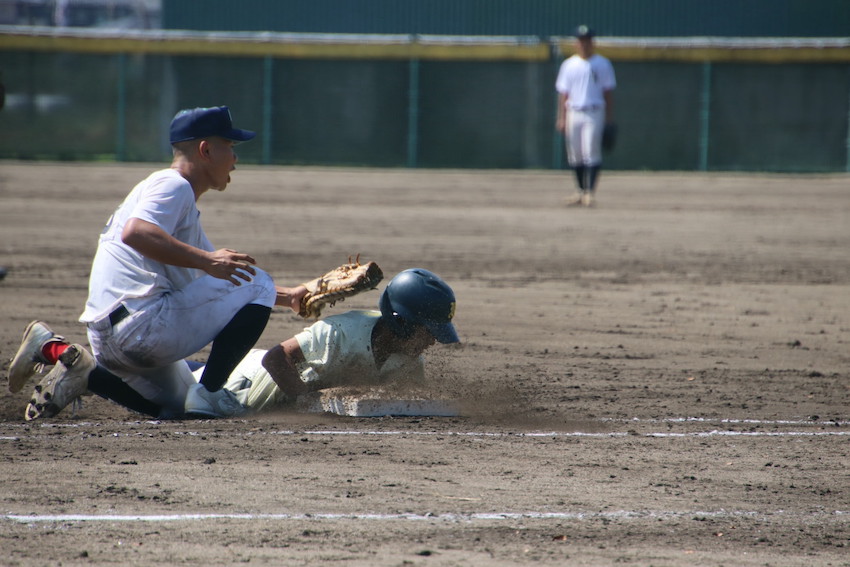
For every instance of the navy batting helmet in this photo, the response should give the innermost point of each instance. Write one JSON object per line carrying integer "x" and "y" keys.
{"x": 419, "y": 297}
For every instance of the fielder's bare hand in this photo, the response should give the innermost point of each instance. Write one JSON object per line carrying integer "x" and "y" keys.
{"x": 230, "y": 265}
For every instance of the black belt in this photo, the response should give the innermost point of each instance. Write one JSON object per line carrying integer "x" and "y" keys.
{"x": 118, "y": 315}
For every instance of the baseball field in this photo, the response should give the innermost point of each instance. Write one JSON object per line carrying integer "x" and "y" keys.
{"x": 661, "y": 380}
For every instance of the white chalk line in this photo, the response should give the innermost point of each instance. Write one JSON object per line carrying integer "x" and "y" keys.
{"x": 515, "y": 434}
{"x": 842, "y": 515}
{"x": 812, "y": 422}
{"x": 549, "y": 434}
{"x": 562, "y": 433}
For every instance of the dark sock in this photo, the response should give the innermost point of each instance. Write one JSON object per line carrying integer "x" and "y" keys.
{"x": 580, "y": 176}
{"x": 232, "y": 344}
{"x": 592, "y": 175}
{"x": 111, "y": 387}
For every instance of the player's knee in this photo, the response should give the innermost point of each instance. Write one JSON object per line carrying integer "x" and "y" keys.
{"x": 263, "y": 278}
{"x": 266, "y": 291}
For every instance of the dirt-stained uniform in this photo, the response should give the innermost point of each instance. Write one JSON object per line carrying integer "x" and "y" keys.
{"x": 337, "y": 351}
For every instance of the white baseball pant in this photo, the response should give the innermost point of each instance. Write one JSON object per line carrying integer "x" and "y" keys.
{"x": 584, "y": 136}
{"x": 147, "y": 348}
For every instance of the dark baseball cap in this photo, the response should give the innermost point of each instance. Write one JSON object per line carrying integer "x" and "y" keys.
{"x": 195, "y": 123}
{"x": 584, "y": 31}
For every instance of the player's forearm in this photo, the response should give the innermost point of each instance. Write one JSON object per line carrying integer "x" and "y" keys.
{"x": 609, "y": 106}
{"x": 152, "y": 242}
{"x": 280, "y": 362}
{"x": 290, "y": 297}
{"x": 562, "y": 106}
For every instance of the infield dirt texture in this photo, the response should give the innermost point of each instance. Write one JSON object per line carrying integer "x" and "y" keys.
{"x": 663, "y": 380}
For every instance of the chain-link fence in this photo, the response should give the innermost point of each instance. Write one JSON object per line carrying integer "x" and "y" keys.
{"x": 404, "y": 102}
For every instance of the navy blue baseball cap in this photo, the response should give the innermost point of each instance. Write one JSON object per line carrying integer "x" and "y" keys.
{"x": 195, "y": 123}
{"x": 584, "y": 31}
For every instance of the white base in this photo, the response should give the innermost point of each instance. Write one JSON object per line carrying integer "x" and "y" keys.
{"x": 373, "y": 404}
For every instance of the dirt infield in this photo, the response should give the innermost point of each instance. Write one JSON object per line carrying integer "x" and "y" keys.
{"x": 661, "y": 380}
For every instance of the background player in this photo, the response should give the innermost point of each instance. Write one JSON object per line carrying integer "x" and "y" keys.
{"x": 585, "y": 86}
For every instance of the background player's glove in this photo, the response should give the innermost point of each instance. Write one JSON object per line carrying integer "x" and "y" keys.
{"x": 344, "y": 281}
{"x": 609, "y": 136}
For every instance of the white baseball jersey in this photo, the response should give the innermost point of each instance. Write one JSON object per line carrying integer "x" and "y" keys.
{"x": 337, "y": 351}
{"x": 119, "y": 272}
{"x": 173, "y": 311}
{"x": 585, "y": 80}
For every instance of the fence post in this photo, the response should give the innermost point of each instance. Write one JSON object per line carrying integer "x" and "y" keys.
{"x": 268, "y": 67}
{"x": 705, "y": 116}
{"x": 558, "y": 138}
{"x": 847, "y": 162}
{"x": 121, "y": 110}
{"x": 413, "y": 113}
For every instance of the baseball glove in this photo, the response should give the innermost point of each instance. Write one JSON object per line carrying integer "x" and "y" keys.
{"x": 609, "y": 136}
{"x": 347, "y": 280}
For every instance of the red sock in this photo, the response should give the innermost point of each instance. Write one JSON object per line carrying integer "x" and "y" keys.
{"x": 52, "y": 349}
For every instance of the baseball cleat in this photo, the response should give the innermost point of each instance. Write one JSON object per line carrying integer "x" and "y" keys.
{"x": 28, "y": 360}
{"x": 587, "y": 199}
{"x": 200, "y": 402}
{"x": 68, "y": 380}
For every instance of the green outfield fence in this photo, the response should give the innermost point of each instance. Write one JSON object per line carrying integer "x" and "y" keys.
{"x": 703, "y": 103}
{"x": 541, "y": 18}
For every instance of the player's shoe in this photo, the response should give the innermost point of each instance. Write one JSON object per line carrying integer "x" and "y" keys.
{"x": 587, "y": 199}
{"x": 68, "y": 380}
{"x": 200, "y": 402}
{"x": 573, "y": 200}
{"x": 28, "y": 360}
